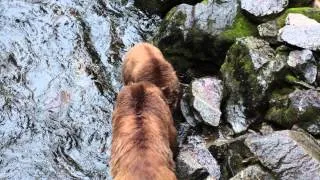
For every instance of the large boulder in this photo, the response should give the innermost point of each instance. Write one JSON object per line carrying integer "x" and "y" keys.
{"x": 288, "y": 154}
{"x": 195, "y": 159}
{"x": 192, "y": 36}
{"x": 249, "y": 69}
{"x": 301, "y": 31}
{"x": 301, "y": 107}
{"x": 260, "y": 10}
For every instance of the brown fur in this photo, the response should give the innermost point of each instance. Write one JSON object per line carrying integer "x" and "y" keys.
{"x": 145, "y": 62}
{"x": 316, "y": 3}
{"x": 143, "y": 135}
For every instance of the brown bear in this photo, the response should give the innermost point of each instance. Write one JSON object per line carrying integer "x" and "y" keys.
{"x": 143, "y": 135}
{"x": 145, "y": 62}
{"x": 316, "y": 3}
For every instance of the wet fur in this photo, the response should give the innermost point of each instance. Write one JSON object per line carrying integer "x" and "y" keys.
{"x": 143, "y": 135}
{"x": 145, "y": 62}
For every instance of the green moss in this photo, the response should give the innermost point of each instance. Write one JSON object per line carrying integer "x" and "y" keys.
{"x": 241, "y": 27}
{"x": 291, "y": 79}
{"x": 312, "y": 13}
{"x": 283, "y": 116}
{"x": 170, "y": 13}
{"x": 205, "y": 2}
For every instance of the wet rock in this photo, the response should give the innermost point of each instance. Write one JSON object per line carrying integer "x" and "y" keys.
{"x": 253, "y": 172}
{"x": 191, "y": 36}
{"x": 195, "y": 159}
{"x": 59, "y": 74}
{"x": 249, "y": 69}
{"x": 304, "y": 63}
{"x": 288, "y": 154}
{"x": 263, "y": 9}
{"x": 231, "y": 155}
{"x": 301, "y": 107}
{"x": 207, "y": 96}
{"x": 301, "y": 31}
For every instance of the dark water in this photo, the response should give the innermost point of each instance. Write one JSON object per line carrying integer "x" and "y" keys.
{"x": 59, "y": 75}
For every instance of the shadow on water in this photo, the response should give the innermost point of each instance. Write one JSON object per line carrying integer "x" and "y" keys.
{"x": 59, "y": 74}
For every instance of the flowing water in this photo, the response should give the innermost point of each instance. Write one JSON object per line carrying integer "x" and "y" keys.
{"x": 59, "y": 74}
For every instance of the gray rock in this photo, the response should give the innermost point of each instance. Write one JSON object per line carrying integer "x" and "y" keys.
{"x": 250, "y": 67}
{"x": 264, "y": 8}
{"x": 202, "y": 32}
{"x": 268, "y": 29}
{"x": 253, "y": 172}
{"x": 301, "y": 31}
{"x": 288, "y": 154}
{"x": 301, "y": 107}
{"x": 193, "y": 157}
{"x": 207, "y": 96}
{"x": 304, "y": 63}
{"x": 211, "y": 17}
{"x": 307, "y": 105}
{"x": 187, "y": 109}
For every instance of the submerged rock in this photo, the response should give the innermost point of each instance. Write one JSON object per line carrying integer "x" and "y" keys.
{"x": 253, "y": 172}
{"x": 248, "y": 71}
{"x": 301, "y": 107}
{"x": 262, "y": 9}
{"x": 195, "y": 159}
{"x": 288, "y": 154}
{"x": 303, "y": 63}
{"x": 207, "y": 95}
{"x": 301, "y": 31}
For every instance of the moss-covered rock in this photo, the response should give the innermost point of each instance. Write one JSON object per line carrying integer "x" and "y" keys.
{"x": 312, "y": 13}
{"x": 250, "y": 67}
{"x": 199, "y": 36}
{"x": 301, "y": 107}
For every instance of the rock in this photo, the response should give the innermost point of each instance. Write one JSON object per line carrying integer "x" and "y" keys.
{"x": 311, "y": 13}
{"x": 288, "y": 154}
{"x": 160, "y": 7}
{"x": 304, "y": 63}
{"x": 192, "y": 36}
{"x": 301, "y": 107}
{"x": 301, "y": 31}
{"x": 195, "y": 158}
{"x": 263, "y": 9}
{"x": 231, "y": 155}
{"x": 207, "y": 95}
{"x": 249, "y": 69}
{"x": 253, "y": 172}
{"x": 187, "y": 109}
{"x": 268, "y": 30}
